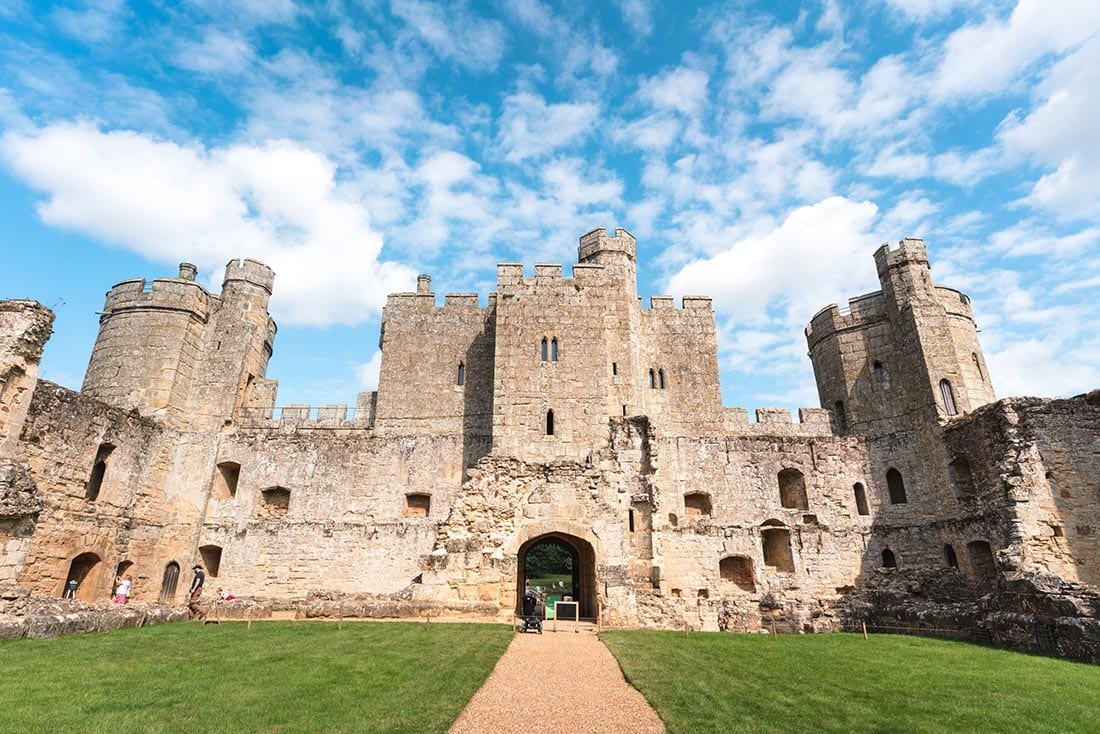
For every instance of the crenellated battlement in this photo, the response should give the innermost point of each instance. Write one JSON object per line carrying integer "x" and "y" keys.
{"x": 511, "y": 279}
{"x": 426, "y": 302}
{"x": 162, "y": 294}
{"x": 861, "y": 311}
{"x": 598, "y": 241}
{"x": 249, "y": 271}
{"x": 811, "y": 422}
{"x": 910, "y": 250}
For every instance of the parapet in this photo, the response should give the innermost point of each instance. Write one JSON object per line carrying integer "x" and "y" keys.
{"x": 249, "y": 271}
{"x": 909, "y": 250}
{"x": 598, "y": 241}
{"x": 778, "y": 422}
{"x": 163, "y": 294}
{"x": 862, "y": 310}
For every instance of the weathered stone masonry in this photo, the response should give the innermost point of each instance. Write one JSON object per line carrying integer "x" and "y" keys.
{"x": 562, "y": 409}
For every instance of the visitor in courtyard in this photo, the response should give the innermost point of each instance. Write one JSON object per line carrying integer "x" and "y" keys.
{"x": 70, "y": 590}
{"x": 194, "y": 610}
{"x": 225, "y": 595}
{"x": 122, "y": 593}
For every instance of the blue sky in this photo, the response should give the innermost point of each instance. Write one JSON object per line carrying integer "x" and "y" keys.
{"x": 759, "y": 155}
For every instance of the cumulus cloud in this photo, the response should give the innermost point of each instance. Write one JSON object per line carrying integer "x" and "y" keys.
{"x": 529, "y": 127}
{"x": 276, "y": 202}
{"x": 454, "y": 32}
{"x": 816, "y": 253}
{"x": 216, "y": 53}
{"x": 367, "y": 373}
{"x": 682, "y": 89}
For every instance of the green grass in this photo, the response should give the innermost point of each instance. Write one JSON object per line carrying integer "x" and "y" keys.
{"x": 276, "y": 677}
{"x": 715, "y": 682}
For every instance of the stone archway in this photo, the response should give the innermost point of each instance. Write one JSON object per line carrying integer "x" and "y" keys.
{"x": 85, "y": 569}
{"x": 583, "y": 569}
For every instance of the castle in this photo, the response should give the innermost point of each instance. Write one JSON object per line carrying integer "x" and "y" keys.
{"x": 564, "y": 412}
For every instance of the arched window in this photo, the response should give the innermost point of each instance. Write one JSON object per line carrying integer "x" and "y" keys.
{"x": 697, "y": 504}
{"x": 99, "y": 471}
{"x": 839, "y": 417}
{"x": 211, "y": 558}
{"x": 276, "y": 502}
{"x": 896, "y": 487}
{"x": 977, "y": 365}
{"x": 792, "y": 489}
{"x": 549, "y": 423}
{"x": 962, "y": 480}
{"x": 544, "y": 353}
{"x": 949, "y": 556}
{"x": 775, "y": 542}
{"x": 861, "y": 499}
{"x": 981, "y": 558}
{"x": 168, "y": 583}
{"x": 879, "y": 372}
{"x": 948, "y": 396}
{"x": 661, "y": 379}
{"x": 226, "y": 476}
{"x": 652, "y": 380}
{"x": 888, "y": 559}
{"x": 461, "y": 374}
{"x": 554, "y": 349}
{"x": 737, "y": 570}
{"x": 418, "y": 504}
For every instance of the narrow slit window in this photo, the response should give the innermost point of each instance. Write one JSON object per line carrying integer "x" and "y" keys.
{"x": 948, "y": 398}
{"x": 614, "y": 368}
{"x": 630, "y": 520}
{"x": 652, "y": 380}
{"x": 879, "y": 372}
{"x": 554, "y": 349}
{"x": 661, "y": 379}
{"x": 545, "y": 351}
{"x": 861, "y": 499}
{"x": 895, "y": 485}
{"x": 99, "y": 471}
{"x": 461, "y": 374}
{"x": 550, "y": 423}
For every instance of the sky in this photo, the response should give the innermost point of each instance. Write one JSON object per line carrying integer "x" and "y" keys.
{"x": 759, "y": 151}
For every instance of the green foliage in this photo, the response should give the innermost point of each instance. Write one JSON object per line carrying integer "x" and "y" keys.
{"x": 277, "y": 677}
{"x": 718, "y": 682}
{"x": 548, "y": 559}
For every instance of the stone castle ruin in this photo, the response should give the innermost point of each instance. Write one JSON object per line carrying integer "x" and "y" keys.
{"x": 560, "y": 412}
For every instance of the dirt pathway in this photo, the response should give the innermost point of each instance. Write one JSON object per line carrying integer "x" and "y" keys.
{"x": 557, "y": 681}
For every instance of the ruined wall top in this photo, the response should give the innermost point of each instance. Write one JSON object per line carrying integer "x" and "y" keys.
{"x": 910, "y": 250}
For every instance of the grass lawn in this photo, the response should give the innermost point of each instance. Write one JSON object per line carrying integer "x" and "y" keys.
{"x": 276, "y": 677}
{"x": 715, "y": 682}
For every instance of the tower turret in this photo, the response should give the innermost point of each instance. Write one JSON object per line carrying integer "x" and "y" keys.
{"x": 908, "y": 352}
{"x": 617, "y": 253}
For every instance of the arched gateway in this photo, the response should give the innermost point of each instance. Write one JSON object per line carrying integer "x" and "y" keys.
{"x": 566, "y": 557}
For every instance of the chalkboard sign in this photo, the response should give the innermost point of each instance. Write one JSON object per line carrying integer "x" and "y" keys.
{"x": 571, "y": 610}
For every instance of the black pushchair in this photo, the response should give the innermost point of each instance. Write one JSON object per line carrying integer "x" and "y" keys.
{"x": 532, "y": 620}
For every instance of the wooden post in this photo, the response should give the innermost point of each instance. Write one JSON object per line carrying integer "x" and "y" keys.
{"x": 249, "y": 625}
{"x": 774, "y": 636}
{"x": 864, "y": 630}
{"x": 428, "y": 620}
{"x": 340, "y": 621}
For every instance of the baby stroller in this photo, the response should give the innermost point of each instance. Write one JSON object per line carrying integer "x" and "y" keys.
{"x": 531, "y": 618}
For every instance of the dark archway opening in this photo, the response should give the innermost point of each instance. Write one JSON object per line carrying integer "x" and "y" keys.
{"x": 562, "y": 565}
{"x": 85, "y": 571}
{"x": 168, "y": 583}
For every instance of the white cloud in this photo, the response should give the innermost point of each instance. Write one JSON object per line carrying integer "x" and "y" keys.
{"x": 96, "y": 22}
{"x": 682, "y": 89}
{"x": 638, "y": 15}
{"x": 805, "y": 262}
{"x": 924, "y": 10}
{"x": 987, "y": 56}
{"x": 454, "y": 32}
{"x": 217, "y": 52}
{"x": 1060, "y": 133}
{"x": 367, "y": 373}
{"x": 276, "y": 202}
{"x": 530, "y": 128}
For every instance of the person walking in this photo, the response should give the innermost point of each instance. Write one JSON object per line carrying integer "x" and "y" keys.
{"x": 194, "y": 609}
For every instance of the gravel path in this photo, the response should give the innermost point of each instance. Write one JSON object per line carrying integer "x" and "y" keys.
{"x": 557, "y": 681}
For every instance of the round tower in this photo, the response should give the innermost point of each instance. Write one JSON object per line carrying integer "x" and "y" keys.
{"x": 148, "y": 342}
